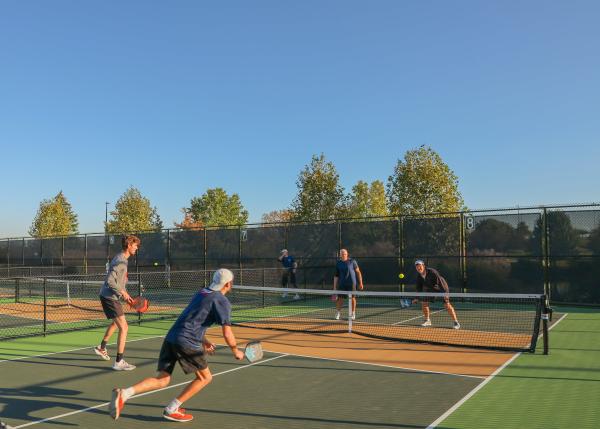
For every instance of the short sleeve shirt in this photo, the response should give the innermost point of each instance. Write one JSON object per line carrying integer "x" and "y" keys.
{"x": 288, "y": 262}
{"x": 206, "y": 308}
{"x": 345, "y": 271}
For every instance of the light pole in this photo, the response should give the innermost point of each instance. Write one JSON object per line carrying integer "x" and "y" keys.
{"x": 106, "y": 233}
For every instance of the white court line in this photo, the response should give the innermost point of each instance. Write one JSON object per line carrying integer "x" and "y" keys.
{"x": 104, "y": 404}
{"x": 483, "y": 383}
{"x": 74, "y": 350}
{"x": 418, "y": 317}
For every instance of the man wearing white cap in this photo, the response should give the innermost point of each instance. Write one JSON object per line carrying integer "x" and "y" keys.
{"x": 430, "y": 280}
{"x": 186, "y": 343}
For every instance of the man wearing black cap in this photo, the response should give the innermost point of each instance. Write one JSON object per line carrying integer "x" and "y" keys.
{"x": 430, "y": 280}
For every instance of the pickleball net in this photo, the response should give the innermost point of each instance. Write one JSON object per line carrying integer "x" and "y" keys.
{"x": 491, "y": 321}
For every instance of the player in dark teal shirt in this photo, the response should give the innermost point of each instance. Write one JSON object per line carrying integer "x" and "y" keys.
{"x": 347, "y": 276}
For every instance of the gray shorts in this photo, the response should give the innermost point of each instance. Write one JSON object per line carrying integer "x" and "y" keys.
{"x": 112, "y": 308}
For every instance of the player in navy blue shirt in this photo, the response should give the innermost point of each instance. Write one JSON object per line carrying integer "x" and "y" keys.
{"x": 186, "y": 343}
{"x": 347, "y": 276}
{"x": 289, "y": 274}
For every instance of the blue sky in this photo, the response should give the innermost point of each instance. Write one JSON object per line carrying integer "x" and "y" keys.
{"x": 178, "y": 97}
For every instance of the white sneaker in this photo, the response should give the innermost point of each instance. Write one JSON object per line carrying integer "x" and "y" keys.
{"x": 426, "y": 323}
{"x": 337, "y": 315}
{"x": 456, "y": 325}
{"x": 353, "y": 316}
{"x": 296, "y": 296}
{"x": 102, "y": 353}
{"x": 123, "y": 366}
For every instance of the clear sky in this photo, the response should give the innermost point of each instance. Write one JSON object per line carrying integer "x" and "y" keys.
{"x": 178, "y": 97}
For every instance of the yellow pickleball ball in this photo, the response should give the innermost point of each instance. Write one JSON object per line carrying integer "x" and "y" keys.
{"x": 401, "y": 275}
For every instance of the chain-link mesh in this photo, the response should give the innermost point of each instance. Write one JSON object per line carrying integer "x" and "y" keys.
{"x": 552, "y": 250}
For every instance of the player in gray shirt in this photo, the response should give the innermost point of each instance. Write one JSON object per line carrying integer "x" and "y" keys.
{"x": 112, "y": 291}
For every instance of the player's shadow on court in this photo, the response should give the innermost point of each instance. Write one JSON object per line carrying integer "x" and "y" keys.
{"x": 280, "y": 419}
{"x": 17, "y": 404}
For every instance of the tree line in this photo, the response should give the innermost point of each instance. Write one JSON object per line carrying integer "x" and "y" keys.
{"x": 420, "y": 183}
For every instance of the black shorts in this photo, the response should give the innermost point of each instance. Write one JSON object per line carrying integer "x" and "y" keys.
{"x": 347, "y": 288}
{"x": 190, "y": 360}
{"x": 428, "y": 299}
{"x": 112, "y": 307}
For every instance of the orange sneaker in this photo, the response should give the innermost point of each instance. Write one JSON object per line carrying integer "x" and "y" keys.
{"x": 116, "y": 403}
{"x": 178, "y": 415}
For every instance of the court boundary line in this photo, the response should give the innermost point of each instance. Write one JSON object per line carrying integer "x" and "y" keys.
{"x": 482, "y": 384}
{"x": 77, "y": 349}
{"x": 104, "y": 404}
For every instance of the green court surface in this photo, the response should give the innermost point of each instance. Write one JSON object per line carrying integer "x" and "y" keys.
{"x": 71, "y": 387}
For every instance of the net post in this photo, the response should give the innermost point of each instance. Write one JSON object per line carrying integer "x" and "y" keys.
{"x": 68, "y": 294}
{"x": 17, "y": 290}
{"x": 546, "y": 313}
{"x": 139, "y": 292}
{"x": 350, "y": 313}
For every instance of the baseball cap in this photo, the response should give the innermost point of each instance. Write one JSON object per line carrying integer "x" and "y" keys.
{"x": 283, "y": 250}
{"x": 220, "y": 278}
{"x": 419, "y": 262}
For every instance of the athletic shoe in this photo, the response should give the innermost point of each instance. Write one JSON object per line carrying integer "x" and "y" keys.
{"x": 296, "y": 296}
{"x": 102, "y": 353}
{"x": 116, "y": 403}
{"x": 426, "y": 323}
{"x": 123, "y": 366}
{"x": 353, "y": 316}
{"x": 456, "y": 325}
{"x": 337, "y": 315}
{"x": 178, "y": 415}
{"x": 284, "y": 295}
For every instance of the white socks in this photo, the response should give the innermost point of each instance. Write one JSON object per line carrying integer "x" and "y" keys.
{"x": 173, "y": 406}
{"x": 127, "y": 393}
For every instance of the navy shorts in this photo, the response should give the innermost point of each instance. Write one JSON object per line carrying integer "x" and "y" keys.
{"x": 112, "y": 307}
{"x": 347, "y": 288}
{"x": 189, "y": 359}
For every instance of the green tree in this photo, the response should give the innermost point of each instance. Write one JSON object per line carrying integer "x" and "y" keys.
{"x": 215, "y": 207}
{"x": 133, "y": 213}
{"x": 423, "y": 183}
{"x": 594, "y": 240}
{"x": 55, "y": 217}
{"x": 563, "y": 238}
{"x": 366, "y": 201}
{"x": 320, "y": 196}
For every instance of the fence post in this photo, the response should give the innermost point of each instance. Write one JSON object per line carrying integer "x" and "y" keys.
{"x": 463, "y": 253}
{"x": 401, "y": 251}
{"x": 85, "y": 254}
{"x": 546, "y": 252}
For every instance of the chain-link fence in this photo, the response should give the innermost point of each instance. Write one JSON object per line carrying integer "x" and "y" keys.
{"x": 553, "y": 250}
